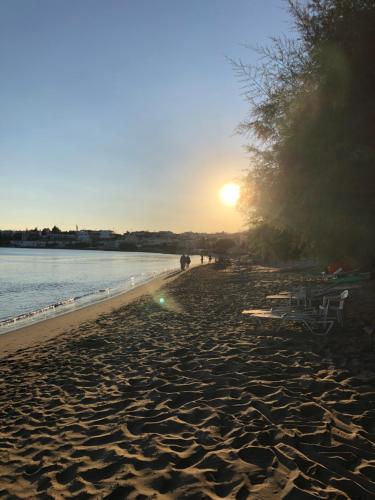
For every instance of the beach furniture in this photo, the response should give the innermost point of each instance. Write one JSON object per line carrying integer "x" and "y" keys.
{"x": 335, "y": 303}
{"x": 313, "y": 320}
{"x": 334, "y": 294}
{"x": 304, "y": 296}
{"x": 319, "y": 320}
{"x": 299, "y": 297}
{"x": 308, "y": 296}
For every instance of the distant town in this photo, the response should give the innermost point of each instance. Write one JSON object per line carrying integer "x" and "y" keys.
{"x": 136, "y": 241}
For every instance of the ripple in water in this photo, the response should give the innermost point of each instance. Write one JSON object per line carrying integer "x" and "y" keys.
{"x": 39, "y": 283}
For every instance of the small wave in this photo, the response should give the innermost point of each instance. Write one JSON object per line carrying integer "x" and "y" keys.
{"x": 89, "y": 294}
{"x": 50, "y": 308}
{"x": 78, "y": 301}
{"x": 32, "y": 314}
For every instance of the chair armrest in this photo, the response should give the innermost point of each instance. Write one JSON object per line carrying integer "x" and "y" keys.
{"x": 331, "y": 298}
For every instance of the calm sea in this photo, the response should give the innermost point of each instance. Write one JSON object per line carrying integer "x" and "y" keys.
{"x": 40, "y": 283}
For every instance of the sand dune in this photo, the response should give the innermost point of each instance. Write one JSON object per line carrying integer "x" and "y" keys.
{"x": 187, "y": 400}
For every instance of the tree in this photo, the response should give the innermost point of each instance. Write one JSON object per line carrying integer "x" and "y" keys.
{"x": 128, "y": 247}
{"x": 312, "y": 103}
{"x": 55, "y": 229}
{"x": 270, "y": 244}
{"x": 222, "y": 246}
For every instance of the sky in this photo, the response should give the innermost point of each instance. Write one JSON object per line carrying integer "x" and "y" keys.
{"x": 121, "y": 114}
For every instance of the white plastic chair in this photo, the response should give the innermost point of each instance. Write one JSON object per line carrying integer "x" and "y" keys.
{"x": 336, "y": 303}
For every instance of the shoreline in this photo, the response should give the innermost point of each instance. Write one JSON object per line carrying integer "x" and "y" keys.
{"x": 76, "y": 306}
{"x": 45, "y": 329}
{"x": 93, "y": 249}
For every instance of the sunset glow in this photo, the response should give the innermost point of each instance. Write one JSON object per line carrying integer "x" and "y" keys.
{"x": 229, "y": 194}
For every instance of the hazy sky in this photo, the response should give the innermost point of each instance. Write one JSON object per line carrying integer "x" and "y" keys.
{"x": 120, "y": 114}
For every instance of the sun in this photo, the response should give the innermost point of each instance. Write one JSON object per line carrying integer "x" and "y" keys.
{"x": 229, "y": 194}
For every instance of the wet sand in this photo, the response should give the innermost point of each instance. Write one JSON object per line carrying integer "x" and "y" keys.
{"x": 36, "y": 333}
{"x": 189, "y": 399}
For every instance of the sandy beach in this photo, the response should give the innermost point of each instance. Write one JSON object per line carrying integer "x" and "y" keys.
{"x": 36, "y": 333}
{"x": 186, "y": 398}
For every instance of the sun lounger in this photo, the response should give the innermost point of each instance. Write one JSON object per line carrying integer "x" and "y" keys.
{"x": 315, "y": 321}
{"x": 300, "y": 297}
{"x": 312, "y": 319}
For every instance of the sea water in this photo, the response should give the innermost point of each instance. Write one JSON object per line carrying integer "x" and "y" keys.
{"x": 39, "y": 283}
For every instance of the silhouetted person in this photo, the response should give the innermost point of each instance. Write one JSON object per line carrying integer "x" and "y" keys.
{"x": 187, "y": 261}
{"x": 209, "y": 258}
{"x": 201, "y": 259}
{"x": 182, "y": 262}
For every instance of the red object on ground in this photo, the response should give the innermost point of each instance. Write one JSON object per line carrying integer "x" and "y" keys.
{"x": 333, "y": 267}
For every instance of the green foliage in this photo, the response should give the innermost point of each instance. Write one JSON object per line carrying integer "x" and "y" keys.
{"x": 270, "y": 244}
{"x": 81, "y": 244}
{"x": 4, "y": 239}
{"x": 312, "y": 122}
{"x": 222, "y": 246}
{"x": 128, "y": 247}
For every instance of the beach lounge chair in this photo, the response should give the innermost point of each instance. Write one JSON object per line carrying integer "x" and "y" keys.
{"x": 314, "y": 321}
{"x": 299, "y": 297}
{"x": 317, "y": 294}
{"x": 336, "y": 303}
{"x": 303, "y": 296}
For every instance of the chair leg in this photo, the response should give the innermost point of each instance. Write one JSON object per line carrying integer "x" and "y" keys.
{"x": 340, "y": 318}
{"x": 331, "y": 323}
{"x": 308, "y": 326}
{"x": 327, "y": 324}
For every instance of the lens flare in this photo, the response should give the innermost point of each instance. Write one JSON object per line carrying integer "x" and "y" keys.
{"x": 229, "y": 194}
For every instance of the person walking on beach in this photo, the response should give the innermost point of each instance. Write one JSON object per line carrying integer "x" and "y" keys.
{"x": 183, "y": 262}
{"x": 187, "y": 260}
{"x": 209, "y": 258}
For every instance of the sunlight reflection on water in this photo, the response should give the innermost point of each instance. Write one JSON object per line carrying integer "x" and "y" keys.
{"x": 43, "y": 280}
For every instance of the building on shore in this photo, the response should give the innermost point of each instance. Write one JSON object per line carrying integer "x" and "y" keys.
{"x": 136, "y": 241}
